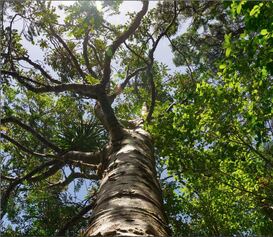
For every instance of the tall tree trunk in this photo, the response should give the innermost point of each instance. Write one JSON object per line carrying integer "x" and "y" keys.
{"x": 129, "y": 200}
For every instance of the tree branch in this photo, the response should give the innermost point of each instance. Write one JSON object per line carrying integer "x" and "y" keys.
{"x": 39, "y": 67}
{"x": 106, "y": 115}
{"x": 85, "y": 55}
{"x": 74, "y": 220}
{"x": 120, "y": 88}
{"x": 153, "y": 93}
{"x": 2, "y": 9}
{"x": 25, "y": 149}
{"x": 22, "y": 79}
{"x": 10, "y": 35}
{"x": 81, "y": 164}
{"x": 125, "y": 35}
{"x": 73, "y": 176}
{"x": 255, "y": 150}
{"x": 104, "y": 106}
{"x": 32, "y": 131}
{"x": 93, "y": 158}
{"x": 164, "y": 32}
{"x": 51, "y": 171}
{"x": 149, "y": 70}
{"x": 85, "y": 90}
{"x": 151, "y": 37}
{"x": 9, "y": 178}
{"x": 135, "y": 53}
{"x": 6, "y": 194}
{"x": 186, "y": 61}
{"x": 134, "y": 73}
{"x": 72, "y": 56}
{"x": 99, "y": 60}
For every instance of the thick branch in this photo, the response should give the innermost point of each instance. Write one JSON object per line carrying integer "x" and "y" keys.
{"x": 85, "y": 90}
{"x": 105, "y": 113}
{"x": 90, "y": 157}
{"x": 32, "y": 131}
{"x": 22, "y": 79}
{"x": 81, "y": 164}
{"x": 121, "y": 39}
{"x": 93, "y": 158}
{"x": 153, "y": 93}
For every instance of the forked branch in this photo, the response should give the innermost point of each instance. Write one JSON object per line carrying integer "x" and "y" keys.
{"x": 121, "y": 39}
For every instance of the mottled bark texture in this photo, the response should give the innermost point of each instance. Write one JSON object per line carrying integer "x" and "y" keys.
{"x": 129, "y": 200}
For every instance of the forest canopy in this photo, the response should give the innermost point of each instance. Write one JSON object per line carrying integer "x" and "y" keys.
{"x": 72, "y": 82}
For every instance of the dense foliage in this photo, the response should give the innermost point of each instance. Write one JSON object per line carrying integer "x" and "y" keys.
{"x": 220, "y": 121}
{"x": 211, "y": 120}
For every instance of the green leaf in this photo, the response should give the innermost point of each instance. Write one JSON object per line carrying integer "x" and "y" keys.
{"x": 227, "y": 40}
{"x": 109, "y": 52}
{"x": 222, "y": 66}
{"x": 228, "y": 51}
{"x": 91, "y": 80}
{"x": 264, "y": 32}
{"x": 255, "y": 11}
{"x": 239, "y": 8}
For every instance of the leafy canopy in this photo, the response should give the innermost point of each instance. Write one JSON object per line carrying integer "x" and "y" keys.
{"x": 212, "y": 120}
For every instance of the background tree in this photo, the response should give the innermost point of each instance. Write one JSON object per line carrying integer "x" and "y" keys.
{"x": 221, "y": 119}
{"x": 64, "y": 123}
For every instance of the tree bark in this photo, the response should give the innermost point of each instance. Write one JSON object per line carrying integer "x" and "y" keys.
{"x": 129, "y": 200}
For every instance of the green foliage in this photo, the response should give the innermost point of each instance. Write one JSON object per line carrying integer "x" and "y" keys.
{"x": 220, "y": 124}
{"x": 212, "y": 125}
{"x": 82, "y": 136}
{"x": 34, "y": 208}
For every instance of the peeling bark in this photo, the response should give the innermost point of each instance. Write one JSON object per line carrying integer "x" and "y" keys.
{"x": 129, "y": 200}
